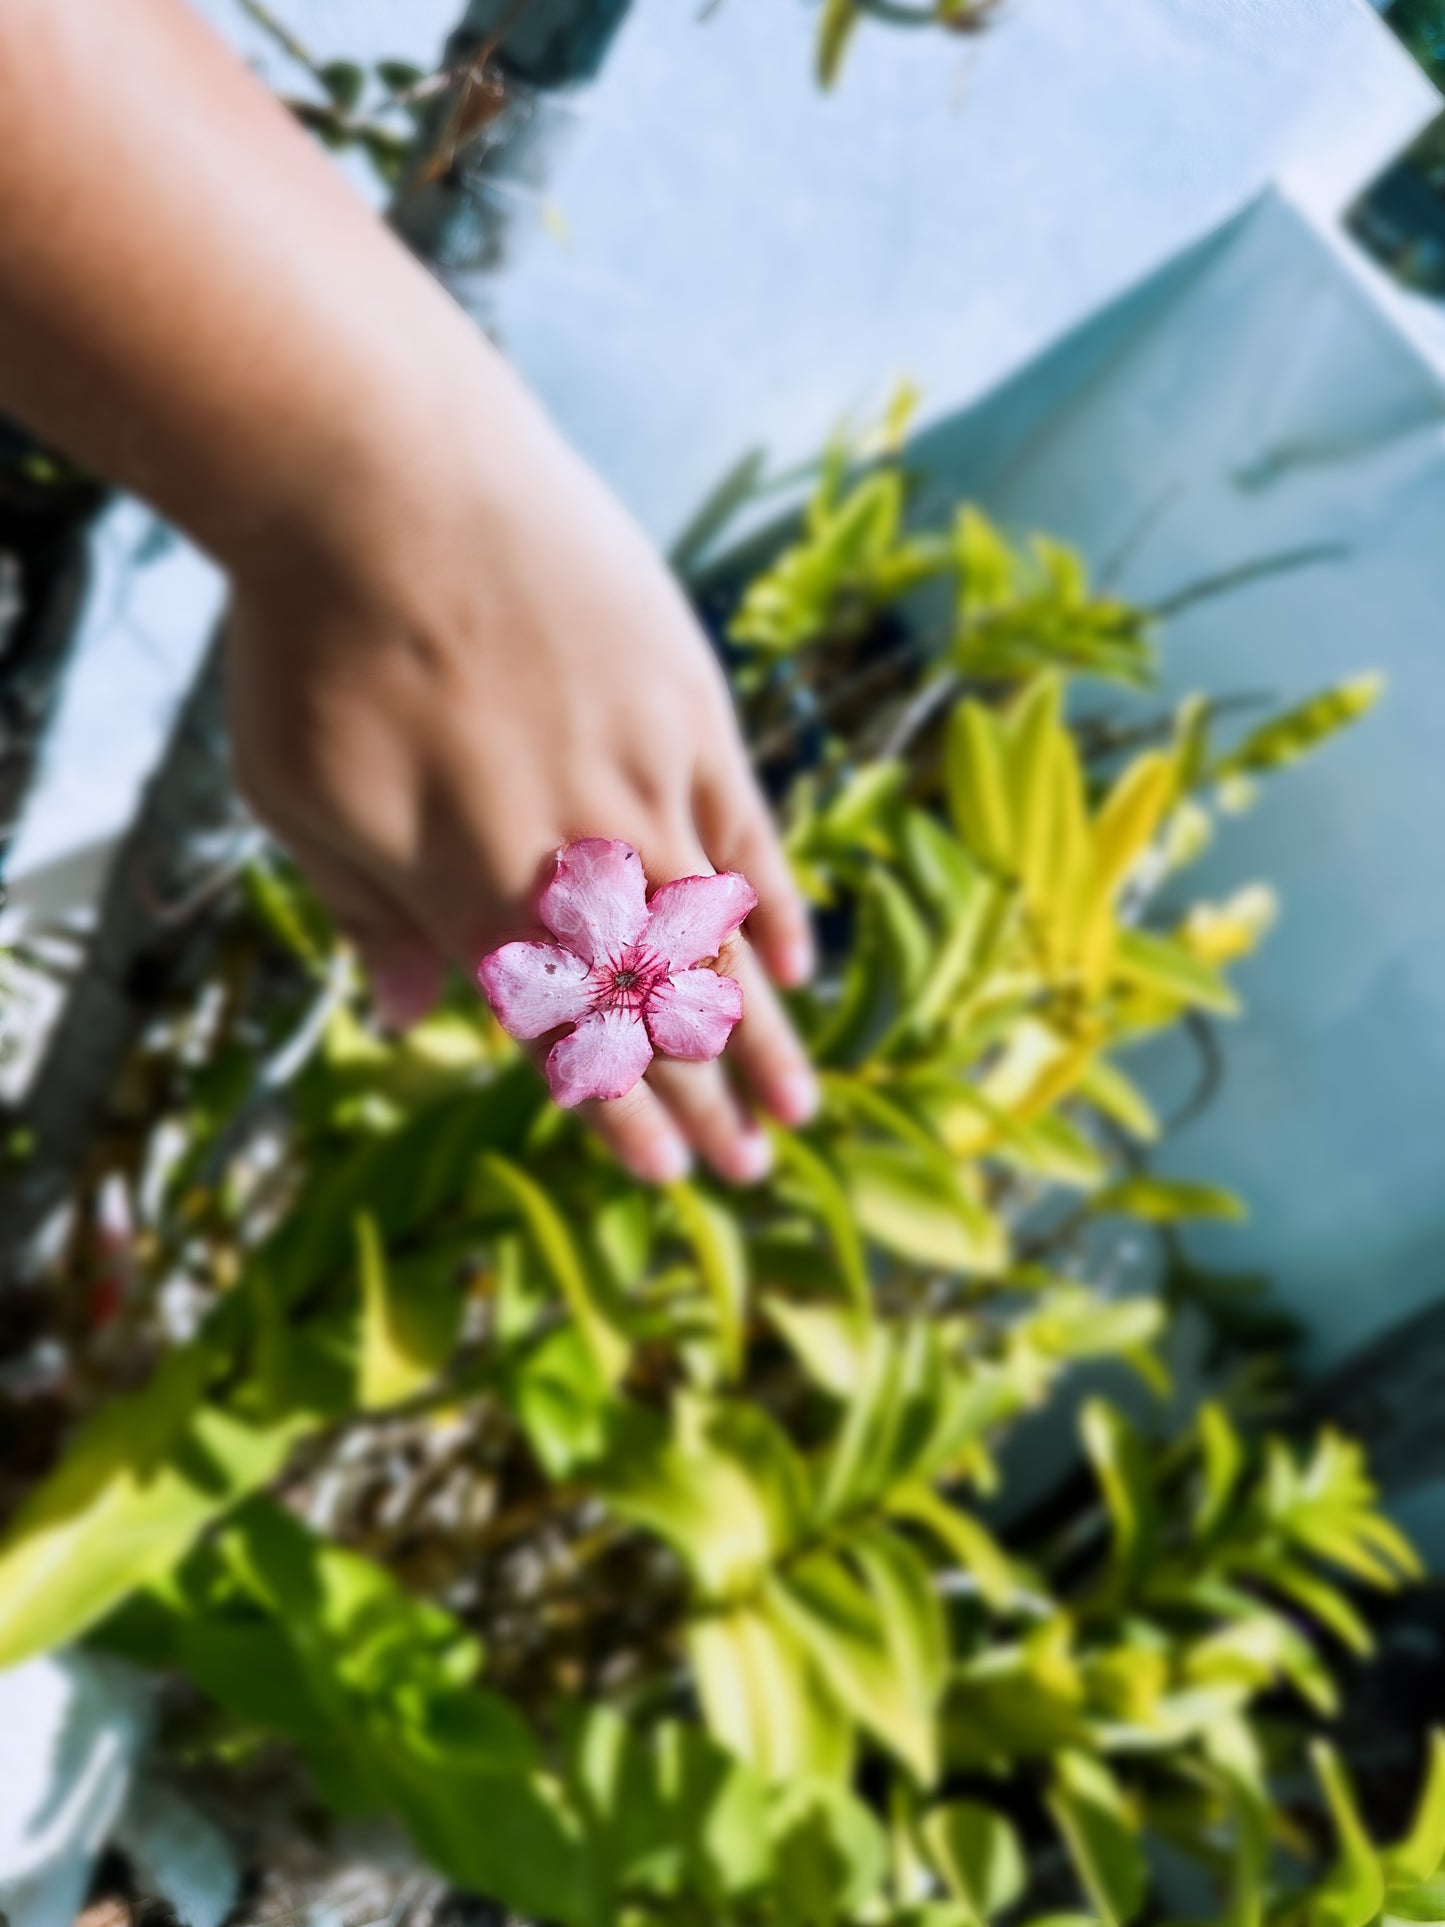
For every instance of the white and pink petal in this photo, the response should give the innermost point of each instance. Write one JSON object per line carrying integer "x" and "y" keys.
{"x": 596, "y": 902}
{"x": 692, "y": 1015}
{"x": 603, "y": 1058}
{"x": 693, "y": 917}
{"x": 534, "y": 987}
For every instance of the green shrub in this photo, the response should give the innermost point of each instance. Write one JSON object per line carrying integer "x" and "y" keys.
{"x": 724, "y": 1618}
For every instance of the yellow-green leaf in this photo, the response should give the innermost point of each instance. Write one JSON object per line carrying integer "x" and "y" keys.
{"x": 1106, "y": 1087}
{"x": 976, "y": 775}
{"x": 392, "y": 1365}
{"x": 1285, "y": 739}
{"x": 143, "y": 1480}
{"x": 909, "y": 1607}
{"x": 763, "y": 1697}
{"x": 835, "y": 30}
{"x": 1169, "y": 1200}
{"x": 916, "y": 1208}
{"x": 1355, "y": 1889}
{"x": 721, "y": 1257}
{"x": 1421, "y": 1854}
{"x": 970, "y": 1543}
{"x": 976, "y": 1854}
{"x": 840, "y": 1627}
{"x": 1089, "y": 1813}
{"x": 560, "y": 1255}
{"x": 1163, "y": 968}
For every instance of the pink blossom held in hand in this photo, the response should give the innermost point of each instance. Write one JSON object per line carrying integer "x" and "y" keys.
{"x": 623, "y": 971}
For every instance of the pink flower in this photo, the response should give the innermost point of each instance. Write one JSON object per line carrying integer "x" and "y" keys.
{"x": 623, "y": 970}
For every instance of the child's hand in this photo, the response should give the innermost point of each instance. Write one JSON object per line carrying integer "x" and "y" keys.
{"x": 487, "y": 661}
{"x": 451, "y": 650}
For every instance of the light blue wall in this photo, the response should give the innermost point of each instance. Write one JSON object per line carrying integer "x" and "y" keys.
{"x": 1272, "y": 400}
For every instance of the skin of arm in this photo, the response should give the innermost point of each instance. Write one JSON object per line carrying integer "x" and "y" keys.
{"x": 449, "y": 650}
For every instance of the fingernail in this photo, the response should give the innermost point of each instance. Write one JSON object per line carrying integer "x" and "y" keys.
{"x": 664, "y": 1163}
{"x": 752, "y": 1159}
{"x": 795, "y": 1096}
{"x": 799, "y": 960}
{"x": 403, "y": 993}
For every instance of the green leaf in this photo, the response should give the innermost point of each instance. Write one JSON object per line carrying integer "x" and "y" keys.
{"x": 721, "y": 1483}
{"x": 146, "y": 1476}
{"x": 970, "y": 1543}
{"x": 561, "y": 1257}
{"x": 976, "y": 777}
{"x": 829, "y": 1341}
{"x": 1426, "y": 1901}
{"x": 344, "y": 81}
{"x": 839, "y": 1626}
{"x": 1121, "y": 1464}
{"x": 825, "y": 1197}
{"x": 1285, "y": 739}
{"x": 938, "y": 866}
{"x": 909, "y": 1608}
{"x": 764, "y": 1698}
{"x": 917, "y": 1208}
{"x": 1128, "y": 819}
{"x": 1017, "y": 1701}
{"x": 1164, "y": 968}
{"x": 277, "y": 902}
{"x": 664, "y": 1811}
{"x": 1316, "y": 1596}
{"x": 1355, "y": 1889}
{"x": 977, "y": 1855}
{"x": 1421, "y": 1854}
{"x": 835, "y": 30}
{"x": 399, "y": 76}
{"x": 409, "y": 1321}
{"x": 719, "y": 506}
{"x": 858, "y": 1462}
{"x": 1222, "y": 1451}
{"x": 988, "y": 571}
{"x": 1074, "y": 1323}
{"x": 832, "y": 1855}
{"x": 1033, "y": 732}
{"x": 1089, "y": 1814}
{"x": 563, "y": 1403}
{"x": 713, "y": 1233}
{"x": 393, "y": 1674}
{"x": 1168, "y": 1201}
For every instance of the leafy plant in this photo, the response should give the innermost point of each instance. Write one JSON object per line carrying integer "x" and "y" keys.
{"x": 647, "y": 1553}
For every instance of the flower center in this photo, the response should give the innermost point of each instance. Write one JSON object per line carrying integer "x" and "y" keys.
{"x": 628, "y": 980}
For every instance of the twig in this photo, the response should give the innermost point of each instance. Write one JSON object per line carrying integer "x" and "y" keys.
{"x": 1225, "y": 581}
{"x": 1203, "y": 1036}
{"x": 920, "y": 713}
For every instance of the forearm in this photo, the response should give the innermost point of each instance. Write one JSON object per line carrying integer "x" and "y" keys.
{"x": 192, "y": 302}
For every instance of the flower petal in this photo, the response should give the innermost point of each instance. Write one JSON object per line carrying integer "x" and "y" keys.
{"x": 596, "y": 902}
{"x": 603, "y": 1057}
{"x": 694, "y": 917}
{"x": 692, "y": 1015}
{"x": 533, "y": 987}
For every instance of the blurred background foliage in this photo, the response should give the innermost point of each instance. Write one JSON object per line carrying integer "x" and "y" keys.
{"x": 652, "y": 1556}
{"x": 1402, "y": 217}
